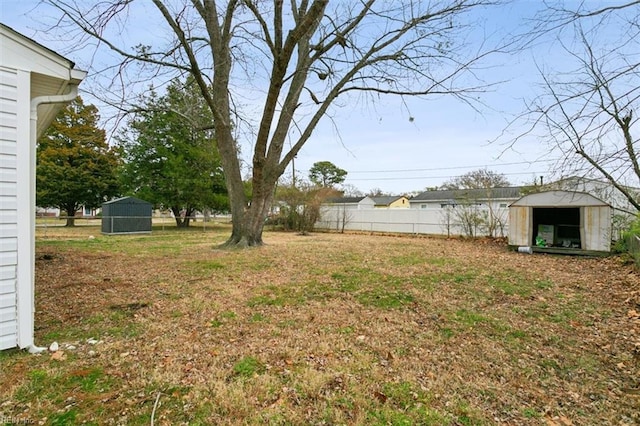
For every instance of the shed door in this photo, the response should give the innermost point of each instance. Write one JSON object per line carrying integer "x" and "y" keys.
{"x": 519, "y": 226}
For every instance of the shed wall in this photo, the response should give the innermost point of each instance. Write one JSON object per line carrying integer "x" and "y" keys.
{"x": 596, "y": 228}
{"x": 519, "y": 226}
{"x": 126, "y": 216}
{"x": 8, "y": 209}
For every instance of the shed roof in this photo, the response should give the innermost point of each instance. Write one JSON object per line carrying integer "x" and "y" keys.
{"x": 129, "y": 200}
{"x": 512, "y": 192}
{"x": 559, "y": 199}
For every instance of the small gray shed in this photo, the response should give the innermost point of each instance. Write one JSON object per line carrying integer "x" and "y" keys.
{"x": 566, "y": 221}
{"x": 126, "y": 215}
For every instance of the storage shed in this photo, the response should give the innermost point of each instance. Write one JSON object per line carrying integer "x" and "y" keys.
{"x": 560, "y": 221}
{"x": 126, "y": 215}
{"x": 34, "y": 84}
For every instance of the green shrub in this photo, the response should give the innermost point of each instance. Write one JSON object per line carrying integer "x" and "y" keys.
{"x": 629, "y": 242}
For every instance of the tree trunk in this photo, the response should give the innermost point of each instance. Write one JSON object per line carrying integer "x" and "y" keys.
{"x": 188, "y": 214}
{"x": 248, "y": 223}
{"x": 177, "y": 215}
{"x": 71, "y": 217}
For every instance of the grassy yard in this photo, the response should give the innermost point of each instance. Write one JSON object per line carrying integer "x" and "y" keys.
{"x": 323, "y": 329}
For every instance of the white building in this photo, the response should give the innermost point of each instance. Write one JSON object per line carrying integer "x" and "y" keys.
{"x": 489, "y": 198}
{"x": 350, "y": 203}
{"x": 601, "y": 189}
{"x": 34, "y": 84}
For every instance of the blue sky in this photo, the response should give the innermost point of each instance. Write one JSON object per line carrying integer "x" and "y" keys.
{"x": 393, "y": 145}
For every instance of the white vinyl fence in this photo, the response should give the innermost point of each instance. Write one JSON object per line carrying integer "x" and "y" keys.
{"x": 411, "y": 221}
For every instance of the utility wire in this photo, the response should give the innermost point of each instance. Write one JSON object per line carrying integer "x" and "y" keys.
{"x": 482, "y": 166}
{"x": 435, "y": 177}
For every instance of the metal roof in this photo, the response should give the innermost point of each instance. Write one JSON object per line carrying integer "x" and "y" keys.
{"x": 128, "y": 200}
{"x": 559, "y": 199}
{"x": 507, "y": 193}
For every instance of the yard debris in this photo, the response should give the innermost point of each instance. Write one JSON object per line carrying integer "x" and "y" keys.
{"x": 53, "y": 347}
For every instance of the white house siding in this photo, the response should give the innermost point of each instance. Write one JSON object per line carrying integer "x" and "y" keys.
{"x": 30, "y": 75}
{"x": 8, "y": 209}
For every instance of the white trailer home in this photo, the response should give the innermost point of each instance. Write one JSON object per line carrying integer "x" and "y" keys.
{"x": 34, "y": 84}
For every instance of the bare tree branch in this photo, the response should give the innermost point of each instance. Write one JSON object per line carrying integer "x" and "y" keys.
{"x": 325, "y": 50}
{"x": 586, "y": 113}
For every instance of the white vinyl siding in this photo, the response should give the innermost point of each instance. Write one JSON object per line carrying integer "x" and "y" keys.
{"x": 8, "y": 209}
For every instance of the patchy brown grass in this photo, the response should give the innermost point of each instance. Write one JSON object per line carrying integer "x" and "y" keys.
{"x": 324, "y": 329}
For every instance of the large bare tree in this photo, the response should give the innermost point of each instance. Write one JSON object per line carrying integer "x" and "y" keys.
{"x": 300, "y": 56}
{"x": 586, "y": 111}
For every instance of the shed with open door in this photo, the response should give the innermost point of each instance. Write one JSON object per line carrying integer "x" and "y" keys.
{"x": 560, "y": 221}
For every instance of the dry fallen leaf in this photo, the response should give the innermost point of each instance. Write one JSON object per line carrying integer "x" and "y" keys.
{"x": 58, "y": 356}
{"x": 380, "y": 396}
{"x": 565, "y": 421}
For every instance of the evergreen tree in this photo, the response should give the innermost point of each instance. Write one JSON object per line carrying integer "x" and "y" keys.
{"x": 326, "y": 174}
{"x": 170, "y": 154}
{"x": 75, "y": 165}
